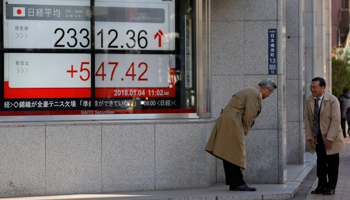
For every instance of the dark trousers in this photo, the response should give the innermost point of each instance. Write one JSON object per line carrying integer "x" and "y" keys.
{"x": 342, "y": 122}
{"x": 233, "y": 174}
{"x": 327, "y": 165}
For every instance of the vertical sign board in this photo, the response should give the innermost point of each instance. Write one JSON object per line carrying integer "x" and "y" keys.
{"x": 272, "y": 51}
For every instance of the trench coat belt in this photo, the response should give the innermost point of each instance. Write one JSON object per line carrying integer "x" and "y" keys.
{"x": 233, "y": 111}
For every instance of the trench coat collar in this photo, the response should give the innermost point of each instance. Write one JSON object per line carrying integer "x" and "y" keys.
{"x": 311, "y": 100}
{"x": 260, "y": 94}
{"x": 325, "y": 99}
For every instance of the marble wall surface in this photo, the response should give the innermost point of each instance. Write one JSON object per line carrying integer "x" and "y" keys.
{"x": 239, "y": 59}
{"x": 101, "y": 157}
{"x": 310, "y": 43}
{"x": 295, "y": 55}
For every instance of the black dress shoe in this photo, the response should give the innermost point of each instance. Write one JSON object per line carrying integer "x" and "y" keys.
{"x": 329, "y": 191}
{"x": 242, "y": 188}
{"x": 319, "y": 190}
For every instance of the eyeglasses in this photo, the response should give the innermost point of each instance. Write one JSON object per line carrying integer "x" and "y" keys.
{"x": 313, "y": 87}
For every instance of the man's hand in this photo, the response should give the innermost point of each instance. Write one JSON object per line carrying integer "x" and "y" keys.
{"x": 328, "y": 144}
{"x": 313, "y": 143}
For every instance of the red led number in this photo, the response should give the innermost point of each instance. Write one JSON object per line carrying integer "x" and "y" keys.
{"x": 101, "y": 71}
{"x": 102, "y": 67}
{"x": 130, "y": 72}
{"x": 140, "y": 78}
{"x": 84, "y": 69}
{"x": 132, "y": 67}
{"x": 115, "y": 66}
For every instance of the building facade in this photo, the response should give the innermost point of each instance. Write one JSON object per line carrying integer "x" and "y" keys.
{"x": 163, "y": 69}
{"x": 340, "y": 22}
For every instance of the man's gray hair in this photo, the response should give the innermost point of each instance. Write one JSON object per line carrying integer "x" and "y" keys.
{"x": 268, "y": 83}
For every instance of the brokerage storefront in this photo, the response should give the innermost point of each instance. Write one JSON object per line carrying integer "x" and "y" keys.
{"x": 100, "y": 95}
{"x": 67, "y": 59}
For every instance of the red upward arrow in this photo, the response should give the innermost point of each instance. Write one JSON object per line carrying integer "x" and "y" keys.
{"x": 159, "y": 34}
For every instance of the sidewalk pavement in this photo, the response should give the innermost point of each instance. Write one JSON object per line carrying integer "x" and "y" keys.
{"x": 342, "y": 191}
{"x": 301, "y": 179}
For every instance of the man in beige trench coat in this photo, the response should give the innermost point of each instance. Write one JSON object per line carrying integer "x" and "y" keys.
{"x": 324, "y": 133}
{"x": 227, "y": 138}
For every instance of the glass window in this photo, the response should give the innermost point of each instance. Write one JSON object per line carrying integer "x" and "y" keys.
{"x": 112, "y": 57}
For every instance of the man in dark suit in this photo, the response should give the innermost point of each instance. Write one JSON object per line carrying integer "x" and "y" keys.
{"x": 323, "y": 131}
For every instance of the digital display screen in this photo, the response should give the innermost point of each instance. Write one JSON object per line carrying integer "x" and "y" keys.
{"x": 131, "y": 75}
{"x": 51, "y": 75}
{"x": 136, "y": 25}
{"x": 46, "y": 81}
{"x": 47, "y": 24}
{"x": 115, "y": 57}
